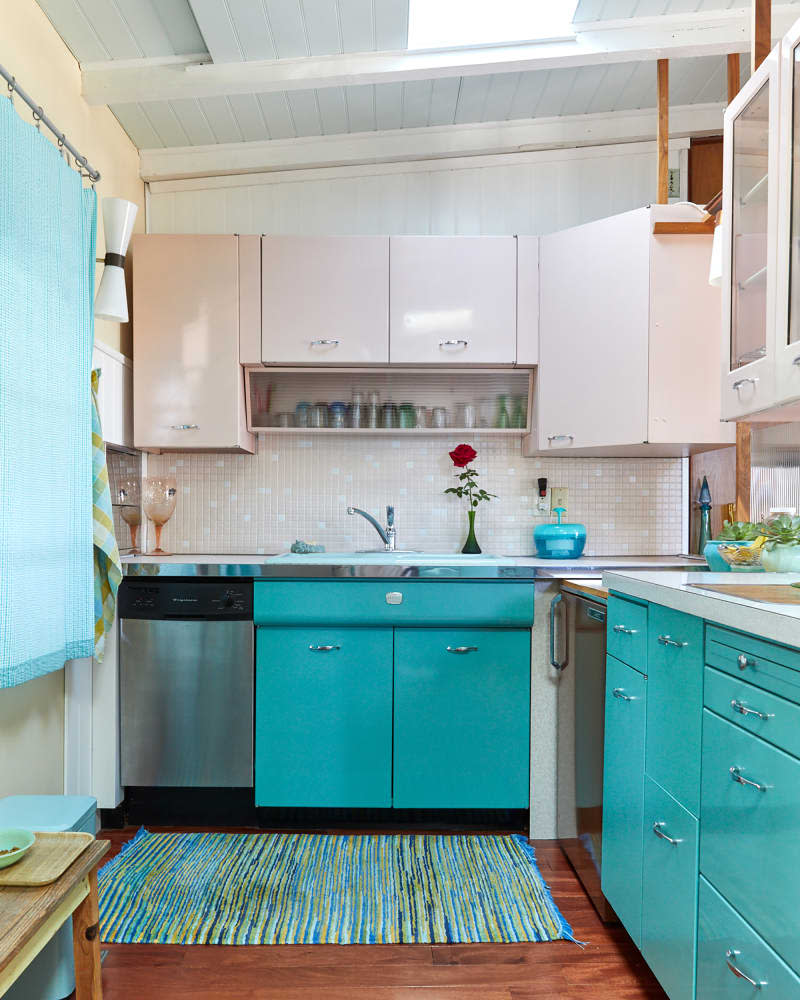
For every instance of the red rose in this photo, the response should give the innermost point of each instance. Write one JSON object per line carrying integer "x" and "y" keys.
{"x": 463, "y": 455}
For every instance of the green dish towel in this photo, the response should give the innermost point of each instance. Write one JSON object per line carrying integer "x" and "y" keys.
{"x": 107, "y": 563}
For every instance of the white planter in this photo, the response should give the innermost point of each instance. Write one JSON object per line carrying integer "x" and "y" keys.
{"x": 781, "y": 559}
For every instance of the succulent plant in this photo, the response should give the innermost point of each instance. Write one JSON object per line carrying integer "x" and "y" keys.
{"x": 781, "y": 530}
{"x": 739, "y": 531}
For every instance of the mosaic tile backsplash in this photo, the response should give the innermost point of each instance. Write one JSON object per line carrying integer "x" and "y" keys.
{"x": 295, "y": 487}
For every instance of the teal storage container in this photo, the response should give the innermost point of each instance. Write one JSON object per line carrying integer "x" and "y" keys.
{"x": 559, "y": 541}
{"x": 51, "y": 975}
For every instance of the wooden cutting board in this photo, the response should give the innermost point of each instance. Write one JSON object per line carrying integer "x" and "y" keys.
{"x": 47, "y": 860}
{"x": 769, "y": 593}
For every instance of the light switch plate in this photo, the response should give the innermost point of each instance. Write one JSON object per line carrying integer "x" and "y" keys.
{"x": 558, "y": 497}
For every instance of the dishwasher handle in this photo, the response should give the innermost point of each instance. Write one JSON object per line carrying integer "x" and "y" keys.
{"x": 554, "y": 604}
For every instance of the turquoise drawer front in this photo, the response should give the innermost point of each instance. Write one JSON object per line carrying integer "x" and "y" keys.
{"x": 627, "y": 632}
{"x": 462, "y": 719}
{"x": 728, "y": 950}
{"x": 323, "y": 717}
{"x": 749, "y": 840}
{"x": 675, "y": 703}
{"x": 774, "y": 719}
{"x": 669, "y": 891}
{"x": 394, "y": 601}
{"x": 623, "y": 793}
{"x": 765, "y": 664}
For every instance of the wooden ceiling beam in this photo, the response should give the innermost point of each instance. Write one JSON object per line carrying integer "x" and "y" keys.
{"x": 761, "y": 32}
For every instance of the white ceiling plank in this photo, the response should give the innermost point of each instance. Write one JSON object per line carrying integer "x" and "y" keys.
{"x": 361, "y": 108}
{"x": 249, "y": 117}
{"x": 138, "y": 126}
{"x": 288, "y": 31}
{"x": 71, "y": 23}
{"x": 616, "y": 79}
{"x": 639, "y": 90}
{"x": 688, "y": 77}
{"x": 146, "y": 27}
{"x": 528, "y": 94}
{"x": 588, "y": 82}
{"x": 275, "y": 108}
{"x": 221, "y": 119}
{"x": 391, "y": 24}
{"x": 645, "y": 39}
{"x": 357, "y": 25}
{"x": 502, "y": 88}
{"x": 252, "y": 29}
{"x": 472, "y": 98}
{"x": 588, "y": 10}
{"x": 715, "y": 86}
{"x": 555, "y": 93}
{"x": 617, "y": 9}
{"x": 650, "y": 8}
{"x": 162, "y": 117}
{"x": 416, "y": 103}
{"x": 444, "y": 98}
{"x": 389, "y": 105}
{"x": 194, "y": 122}
{"x": 180, "y": 26}
{"x": 106, "y": 19}
{"x": 332, "y": 110}
{"x": 305, "y": 112}
{"x": 322, "y": 27}
{"x": 216, "y": 26}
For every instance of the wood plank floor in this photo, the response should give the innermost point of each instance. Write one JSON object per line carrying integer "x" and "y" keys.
{"x": 608, "y": 968}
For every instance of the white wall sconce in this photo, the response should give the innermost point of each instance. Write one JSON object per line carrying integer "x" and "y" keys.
{"x": 118, "y": 219}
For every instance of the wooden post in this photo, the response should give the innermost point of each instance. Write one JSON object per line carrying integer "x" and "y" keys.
{"x": 733, "y": 76}
{"x": 86, "y": 945}
{"x": 743, "y": 472}
{"x": 663, "y": 131}
{"x": 762, "y": 33}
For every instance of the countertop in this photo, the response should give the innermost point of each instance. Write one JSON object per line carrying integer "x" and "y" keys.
{"x": 586, "y": 587}
{"x": 683, "y": 592}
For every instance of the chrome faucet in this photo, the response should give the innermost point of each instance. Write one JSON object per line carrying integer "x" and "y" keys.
{"x": 388, "y": 534}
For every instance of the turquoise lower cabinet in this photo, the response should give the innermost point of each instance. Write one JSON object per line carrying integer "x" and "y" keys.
{"x": 323, "y": 717}
{"x": 733, "y": 962}
{"x": 623, "y": 793}
{"x": 462, "y": 718}
{"x": 675, "y": 703}
{"x": 669, "y": 891}
{"x": 750, "y": 831}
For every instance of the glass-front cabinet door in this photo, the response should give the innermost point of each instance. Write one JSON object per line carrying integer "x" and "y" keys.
{"x": 749, "y": 219}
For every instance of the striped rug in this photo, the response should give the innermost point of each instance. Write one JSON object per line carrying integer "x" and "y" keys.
{"x": 223, "y": 888}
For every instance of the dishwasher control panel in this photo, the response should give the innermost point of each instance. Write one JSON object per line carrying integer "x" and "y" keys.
{"x": 186, "y": 598}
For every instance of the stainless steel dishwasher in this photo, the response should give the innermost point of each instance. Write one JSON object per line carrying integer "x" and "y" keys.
{"x": 186, "y": 682}
{"x": 581, "y": 726}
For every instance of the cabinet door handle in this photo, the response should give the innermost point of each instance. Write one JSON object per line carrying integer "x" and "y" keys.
{"x": 796, "y": 360}
{"x": 664, "y": 836}
{"x": 667, "y": 640}
{"x": 184, "y": 427}
{"x": 560, "y": 437}
{"x": 557, "y": 601}
{"x": 620, "y": 693}
{"x": 323, "y": 649}
{"x": 750, "y": 380}
{"x": 736, "y": 775}
{"x": 453, "y": 343}
{"x": 743, "y": 662}
{"x": 462, "y": 649}
{"x": 325, "y": 343}
{"x": 730, "y": 955}
{"x": 742, "y": 709}
{"x": 621, "y": 630}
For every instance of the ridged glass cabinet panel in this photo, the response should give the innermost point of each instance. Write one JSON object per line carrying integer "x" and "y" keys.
{"x": 794, "y": 249}
{"x": 750, "y": 198}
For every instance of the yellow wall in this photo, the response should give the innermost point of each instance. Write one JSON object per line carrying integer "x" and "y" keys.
{"x": 32, "y": 50}
{"x": 32, "y": 715}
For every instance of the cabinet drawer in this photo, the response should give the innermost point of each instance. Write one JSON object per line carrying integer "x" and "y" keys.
{"x": 627, "y": 632}
{"x": 772, "y": 718}
{"x": 725, "y": 944}
{"x": 669, "y": 891}
{"x": 675, "y": 703}
{"x": 623, "y": 793}
{"x": 749, "y": 844}
{"x": 765, "y": 664}
{"x": 395, "y": 601}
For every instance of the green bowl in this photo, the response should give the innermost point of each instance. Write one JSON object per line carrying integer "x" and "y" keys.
{"x": 10, "y": 837}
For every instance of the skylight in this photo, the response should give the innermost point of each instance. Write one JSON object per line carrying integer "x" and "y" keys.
{"x": 436, "y": 24}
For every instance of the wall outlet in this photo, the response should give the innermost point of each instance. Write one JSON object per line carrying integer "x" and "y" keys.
{"x": 543, "y": 505}
{"x": 558, "y": 497}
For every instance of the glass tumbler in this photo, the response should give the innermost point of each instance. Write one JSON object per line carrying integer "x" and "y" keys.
{"x": 319, "y": 415}
{"x": 439, "y": 417}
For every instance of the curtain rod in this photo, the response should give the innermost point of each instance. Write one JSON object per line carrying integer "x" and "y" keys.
{"x": 40, "y": 116}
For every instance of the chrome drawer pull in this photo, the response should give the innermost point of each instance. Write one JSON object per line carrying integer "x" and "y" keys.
{"x": 462, "y": 649}
{"x": 184, "y": 427}
{"x": 323, "y": 649}
{"x": 796, "y": 360}
{"x": 736, "y": 775}
{"x": 453, "y": 343}
{"x": 743, "y": 662}
{"x": 732, "y": 953}
{"x": 620, "y": 693}
{"x": 621, "y": 630}
{"x": 560, "y": 437}
{"x": 744, "y": 381}
{"x": 325, "y": 343}
{"x": 667, "y": 640}
{"x": 742, "y": 709}
{"x": 660, "y": 833}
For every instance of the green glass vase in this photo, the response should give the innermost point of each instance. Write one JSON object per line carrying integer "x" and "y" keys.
{"x": 471, "y": 547}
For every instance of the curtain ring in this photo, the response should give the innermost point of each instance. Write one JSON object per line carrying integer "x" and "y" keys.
{"x": 11, "y": 86}
{"x": 37, "y": 118}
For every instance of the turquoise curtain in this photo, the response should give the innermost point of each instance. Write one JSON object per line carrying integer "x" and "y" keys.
{"x": 47, "y": 251}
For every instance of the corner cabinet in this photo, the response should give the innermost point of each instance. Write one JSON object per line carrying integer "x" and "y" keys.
{"x": 188, "y": 385}
{"x": 626, "y": 366}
